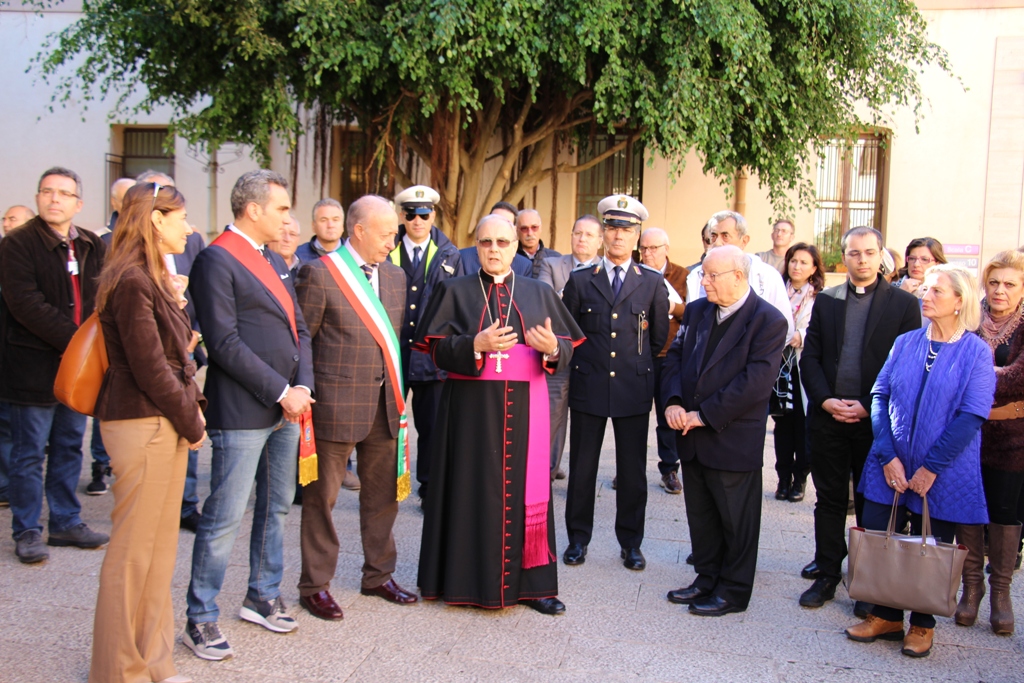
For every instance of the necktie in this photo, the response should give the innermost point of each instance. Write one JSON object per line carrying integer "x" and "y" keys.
{"x": 367, "y": 271}
{"x": 416, "y": 257}
{"x": 617, "y": 281}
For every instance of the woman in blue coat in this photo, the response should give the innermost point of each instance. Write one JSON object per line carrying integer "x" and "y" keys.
{"x": 928, "y": 405}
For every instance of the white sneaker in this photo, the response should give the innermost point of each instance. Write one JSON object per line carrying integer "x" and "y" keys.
{"x": 206, "y": 641}
{"x": 270, "y": 614}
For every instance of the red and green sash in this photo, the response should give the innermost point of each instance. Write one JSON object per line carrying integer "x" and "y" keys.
{"x": 255, "y": 263}
{"x": 352, "y": 282}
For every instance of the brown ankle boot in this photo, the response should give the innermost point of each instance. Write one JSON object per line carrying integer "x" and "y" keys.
{"x": 1002, "y": 542}
{"x": 972, "y": 536}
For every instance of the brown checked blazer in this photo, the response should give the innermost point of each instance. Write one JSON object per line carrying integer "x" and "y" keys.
{"x": 348, "y": 365}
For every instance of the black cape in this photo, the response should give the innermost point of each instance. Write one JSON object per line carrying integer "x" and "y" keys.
{"x": 474, "y": 515}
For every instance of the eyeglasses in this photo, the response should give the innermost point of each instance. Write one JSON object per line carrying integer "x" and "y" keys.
{"x": 924, "y": 260}
{"x": 655, "y": 247}
{"x": 711, "y": 277}
{"x": 411, "y": 216}
{"x": 63, "y": 194}
{"x": 529, "y": 228}
{"x": 487, "y": 243}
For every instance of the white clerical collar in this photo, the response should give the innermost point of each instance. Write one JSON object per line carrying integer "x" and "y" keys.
{"x": 410, "y": 244}
{"x": 725, "y": 311}
{"x": 258, "y": 247}
{"x": 500, "y": 279}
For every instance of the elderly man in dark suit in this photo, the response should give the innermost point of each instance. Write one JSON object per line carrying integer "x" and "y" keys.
{"x": 622, "y": 307}
{"x": 853, "y": 327}
{"x": 719, "y": 374}
{"x": 259, "y": 384}
{"x": 555, "y": 271}
{"x": 654, "y": 253}
{"x": 358, "y": 383}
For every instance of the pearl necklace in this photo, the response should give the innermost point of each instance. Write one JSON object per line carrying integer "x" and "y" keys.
{"x": 929, "y": 360}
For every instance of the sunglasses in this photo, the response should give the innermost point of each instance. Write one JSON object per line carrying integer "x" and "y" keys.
{"x": 487, "y": 243}
{"x": 412, "y": 215}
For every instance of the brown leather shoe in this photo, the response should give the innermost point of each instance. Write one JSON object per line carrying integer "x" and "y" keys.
{"x": 321, "y": 605}
{"x": 391, "y": 592}
{"x": 918, "y": 642}
{"x": 670, "y": 482}
{"x": 873, "y": 628}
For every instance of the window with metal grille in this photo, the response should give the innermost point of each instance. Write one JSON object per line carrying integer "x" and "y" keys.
{"x": 851, "y": 191}
{"x": 621, "y": 173}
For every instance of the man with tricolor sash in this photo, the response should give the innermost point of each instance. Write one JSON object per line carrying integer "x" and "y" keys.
{"x": 259, "y": 386}
{"x": 427, "y": 256}
{"x": 352, "y": 300}
{"x": 488, "y": 529}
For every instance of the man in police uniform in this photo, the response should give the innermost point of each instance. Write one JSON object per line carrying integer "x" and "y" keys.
{"x": 427, "y": 256}
{"x": 622, "y": 307}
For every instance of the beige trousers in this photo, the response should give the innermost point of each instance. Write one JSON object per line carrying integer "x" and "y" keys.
{"x": 133, "y": 633}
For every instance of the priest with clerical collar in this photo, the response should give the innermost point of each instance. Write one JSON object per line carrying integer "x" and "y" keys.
{"x": 488, "y": 530}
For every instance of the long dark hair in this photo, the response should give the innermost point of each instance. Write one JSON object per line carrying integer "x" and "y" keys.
{"x": 933, "y": 245}
{"x": 135, "y": 239}
{"x": 817, "y": 280}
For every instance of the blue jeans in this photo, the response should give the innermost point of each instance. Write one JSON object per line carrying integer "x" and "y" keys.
{"x": 190, "y": 498}
{"x": 99, "y": 452}
{"x": 270, "y": 457}
{"x": 5, "y": 447}
{"x": 32, "y": 428}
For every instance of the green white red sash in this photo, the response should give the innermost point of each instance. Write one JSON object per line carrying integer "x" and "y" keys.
{"x": 352, "y": 281}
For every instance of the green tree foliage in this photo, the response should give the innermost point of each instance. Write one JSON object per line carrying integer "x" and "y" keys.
{"x": 747, "y": 84}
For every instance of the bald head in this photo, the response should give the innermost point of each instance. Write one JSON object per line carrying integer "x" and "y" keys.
{"x": 495, "y": 244}
{"x": 17, "y": 215}
{"x": 158, "y": 177}
{"x": 372, "y": 227}
{"x": 726, "y": 270}
{"x": 117, "y": 191}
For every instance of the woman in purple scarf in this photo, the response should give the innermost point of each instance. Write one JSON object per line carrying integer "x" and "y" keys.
{"x": 928, "y": 404}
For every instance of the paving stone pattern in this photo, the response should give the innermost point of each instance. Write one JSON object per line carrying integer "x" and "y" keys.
{"x": 618, "y": 625}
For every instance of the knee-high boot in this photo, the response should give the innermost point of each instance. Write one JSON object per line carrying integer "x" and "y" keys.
{"x": 1002, "y": 547}
{"x": 972, "y": 536}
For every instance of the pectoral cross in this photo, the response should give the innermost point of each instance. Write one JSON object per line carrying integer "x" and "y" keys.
{"x": 498, "y": 356}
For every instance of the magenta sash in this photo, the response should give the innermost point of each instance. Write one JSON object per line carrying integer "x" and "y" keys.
{"x": 524, "y": 364}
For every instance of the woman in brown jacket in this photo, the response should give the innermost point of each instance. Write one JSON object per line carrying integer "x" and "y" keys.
{"x": 1002, "y": 448}
{"x": 150, "y": 409}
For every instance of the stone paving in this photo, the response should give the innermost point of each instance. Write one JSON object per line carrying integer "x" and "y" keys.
{"x": 618, "y": 625}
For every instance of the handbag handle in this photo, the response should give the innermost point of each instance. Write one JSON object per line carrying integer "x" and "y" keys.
{"x": 926, "y": 521}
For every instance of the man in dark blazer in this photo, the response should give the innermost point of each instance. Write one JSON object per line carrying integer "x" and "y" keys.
{"x": 622, "y": 307}
{"x": 356, "y": 408}
{"x": 852, "y": 329}
{"x": 718, "y": 376}
{"x": 654, "y": 248}
{"x": 259, "y": 383}
{"x": 555, "y": 271}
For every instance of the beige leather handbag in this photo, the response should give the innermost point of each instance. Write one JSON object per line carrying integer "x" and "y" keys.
{"x": 912, "y": 573}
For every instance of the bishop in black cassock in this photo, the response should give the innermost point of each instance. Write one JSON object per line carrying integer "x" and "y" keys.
{"x": 477, "y": 522}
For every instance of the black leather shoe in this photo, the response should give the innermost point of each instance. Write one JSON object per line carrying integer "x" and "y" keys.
{"x": 550, "y": 606}
{"x": 862, "y": 609}
{"x": 713, "y": 606}
{"x": 633, "y": 559}
{"x": 190, "y": 522}
{"x": 685, "y": 596}
{"x": 821, "y": 591}
{"x": 782, "y": 491}
{"x": 811, "y": 571}
{"x": 689, "y": 559}
{"x": 576, "y": 553}
{"x": 796, "y": 492}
